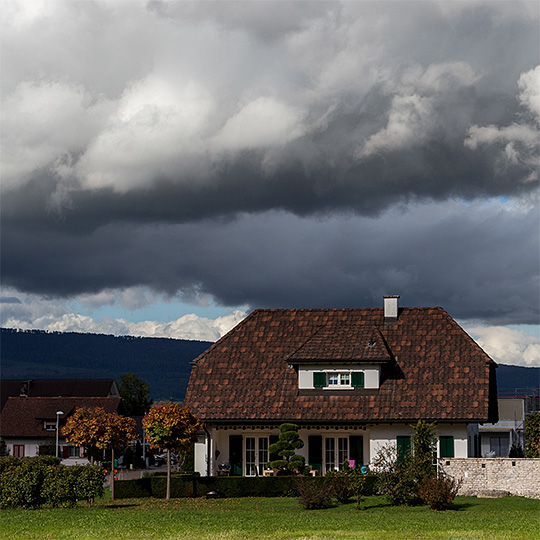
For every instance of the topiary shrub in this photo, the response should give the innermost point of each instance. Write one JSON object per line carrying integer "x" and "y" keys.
{"x": 289, "y": 441}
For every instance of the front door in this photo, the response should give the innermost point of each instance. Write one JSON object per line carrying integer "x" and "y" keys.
{"x": 235, "y": 454}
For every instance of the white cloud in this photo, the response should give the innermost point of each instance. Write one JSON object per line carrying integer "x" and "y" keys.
{"x": 190, "y": 327}
{"x": 27, "y": 312}
{"x": 415, "y": 111}
{"x": 42, "y": 123}
{"x": 261, "y": 123}
{"x": 518, "y": 143}
{"x": 507, "y": 345}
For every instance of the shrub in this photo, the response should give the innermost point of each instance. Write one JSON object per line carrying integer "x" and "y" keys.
{"x": 439, "y": 491}
{"x": 21, "y": 485}
{"x": 315, "y": 494}
{"x": 86, "y": 482}
{"x": 516, "y": 451}
{"x": 399, "y": 481}
{"x": 32, "y": 482}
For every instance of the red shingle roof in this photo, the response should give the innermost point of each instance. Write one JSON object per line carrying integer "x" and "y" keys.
{"x": 432, "y": 369}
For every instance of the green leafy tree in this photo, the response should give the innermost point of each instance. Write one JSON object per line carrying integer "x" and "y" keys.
{"x": 289, "y": 441}
{"x": 171, "y": 427}
{"x": 135, "y": 394}
{"x": 532, "y": 435}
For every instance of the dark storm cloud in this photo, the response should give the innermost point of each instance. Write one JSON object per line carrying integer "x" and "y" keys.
{"x": 448, "y": 254}
{"x": 290, "y": 154}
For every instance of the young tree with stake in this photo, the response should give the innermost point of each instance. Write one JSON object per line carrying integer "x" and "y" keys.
{"x": 172, "y": 427}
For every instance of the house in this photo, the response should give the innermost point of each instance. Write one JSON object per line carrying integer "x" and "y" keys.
{"x": 57, "y": 387}
{"x": 31, "y": 420}
{"x": 352, "y": 379}
{"x": 497, "y": 439}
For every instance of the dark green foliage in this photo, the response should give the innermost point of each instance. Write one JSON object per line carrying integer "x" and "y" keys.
{"x": 135, "y": 394}
{"x": 289, "y": 441}
{"x": 3, "y": 448}
{"x": 532, "y": 435}
{"x": 188, "y": 486}
{"x": 424, "y": 448}
{"x": 33, "y": 482}
{"x": 315, "y": 493}
{"x": 439, "y": 491}
{"x": 516, "y": 451}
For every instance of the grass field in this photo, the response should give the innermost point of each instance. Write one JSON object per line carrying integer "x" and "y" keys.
{"x": 275, "y": 519}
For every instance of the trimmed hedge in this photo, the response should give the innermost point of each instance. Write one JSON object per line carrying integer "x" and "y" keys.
{"x": 32, "y": 482}
{"x": 230, "y": 486}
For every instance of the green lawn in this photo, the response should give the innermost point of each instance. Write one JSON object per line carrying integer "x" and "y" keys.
{"x": 277, "y": 519}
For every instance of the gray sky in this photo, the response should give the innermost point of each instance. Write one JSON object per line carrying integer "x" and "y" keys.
{"x": 270, "y": 154}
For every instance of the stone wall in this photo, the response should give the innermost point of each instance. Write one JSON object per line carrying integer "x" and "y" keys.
{"x": 480, "y": 476}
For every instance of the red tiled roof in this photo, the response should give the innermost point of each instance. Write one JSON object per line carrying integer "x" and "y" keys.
{"x": 433, "y": 370}
{"x": 25, "y": 416}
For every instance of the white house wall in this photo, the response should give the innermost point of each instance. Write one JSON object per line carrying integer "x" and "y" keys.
{"x": 382, "y": 435}
{"x": 375, "y": 437}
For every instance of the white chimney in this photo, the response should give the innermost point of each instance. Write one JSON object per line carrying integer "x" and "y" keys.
{"x": 391, "y": 307}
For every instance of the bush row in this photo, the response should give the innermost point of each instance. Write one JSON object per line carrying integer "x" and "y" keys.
{"x": 229, "y": 486}
{"x": 33, "y": 482}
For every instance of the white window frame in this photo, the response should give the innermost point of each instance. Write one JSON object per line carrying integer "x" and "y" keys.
{"x": 258, "y": 456}
{"x": 338, "y": 379}
{"x": 335, "y": 451}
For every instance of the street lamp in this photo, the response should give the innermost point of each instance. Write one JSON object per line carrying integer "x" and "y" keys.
{"x": 58, "y": 413}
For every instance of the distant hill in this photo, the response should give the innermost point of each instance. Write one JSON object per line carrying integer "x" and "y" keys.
{"x": 163, "y": 363}
{"x": 518, "y": 380}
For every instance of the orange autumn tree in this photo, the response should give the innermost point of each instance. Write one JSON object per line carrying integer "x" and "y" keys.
{"x": 172, "y": 427}
{"x": 96, "y": 428}
{"x": 85, "y": 428}
{"x": 119, "y": 432}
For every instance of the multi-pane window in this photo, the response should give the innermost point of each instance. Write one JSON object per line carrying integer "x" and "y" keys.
{"x": 329, "y": 454}
{"x": 335, "y": 379}
{"x": 339, "y": 379}
{"x": 343, "y": 450}
{"x": 256, "y": 455}
{"x": 336, "y": 451}
{"x": 18, "y": 450}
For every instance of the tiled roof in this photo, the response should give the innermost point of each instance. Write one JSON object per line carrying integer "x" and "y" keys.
{"x": 432, "y": 369}
{"x": 57, "y": 387}
{"x": 25, "y": 416}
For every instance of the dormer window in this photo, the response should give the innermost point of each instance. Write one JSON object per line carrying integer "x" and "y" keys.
{"x": 49, "y": 425}
{"x": 338, "y": 379}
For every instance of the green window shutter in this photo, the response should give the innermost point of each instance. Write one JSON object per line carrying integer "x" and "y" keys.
{"x": 446, "y": 446}
{"x": 356, "y": 449}
{"x": 403, "y": 447}
{"x": 357, "y": 379}
{"x": 319, "y": 379}
{"x": 315, "y": 452}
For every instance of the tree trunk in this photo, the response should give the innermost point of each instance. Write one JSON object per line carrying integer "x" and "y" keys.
{"x": 112, "y": 474}
{"x": 168, "y": 474}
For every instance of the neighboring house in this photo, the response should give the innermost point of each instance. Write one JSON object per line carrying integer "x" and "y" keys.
{"x": 28, "y": 422}
{"x": 496, "y": 439}
{"x": 57, "y": 387}
{"x": 352, "y": 379}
